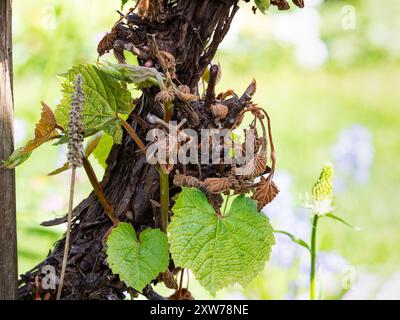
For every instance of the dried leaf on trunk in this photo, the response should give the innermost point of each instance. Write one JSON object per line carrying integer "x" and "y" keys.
{"x": 168, "y": 62}
{"x": 299, "y": 3}
{"x": 169, "y": 280}
{"x": 254, "y": 168}
{"x": 165, "y": 96}
{"x": 223, "y": 95}
{"x": 252, "y": 140}
{"x": 250, "y": 90}
{"x": 219, "y": 111}
{"x": 265, "y": 192}
{"x": 218, "y": 185}
{"x": 181, "y": 294}
{"x": 143, "y": 7}
{"x": 183, "y": 94}
{"x": 181, "y": 180}
{"x": 281, "y": 4}
{"x": 107, "y": 43}
{"x": 153, "y": 10}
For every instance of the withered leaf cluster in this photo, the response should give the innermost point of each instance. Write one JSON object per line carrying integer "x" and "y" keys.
{"x": 284, "y": 5}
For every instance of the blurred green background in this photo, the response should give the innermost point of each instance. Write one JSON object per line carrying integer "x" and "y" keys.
{"x": 329, "y": 77}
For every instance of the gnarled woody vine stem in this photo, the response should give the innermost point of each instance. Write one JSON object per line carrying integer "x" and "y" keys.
{"x": 194, "y": 30}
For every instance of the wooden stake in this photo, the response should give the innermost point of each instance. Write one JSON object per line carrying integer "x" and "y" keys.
{"x": 8, "y": 230}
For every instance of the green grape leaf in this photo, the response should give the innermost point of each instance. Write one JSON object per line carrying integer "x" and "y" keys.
{"x": 220, "y": 250}
{"x": 17, "y": 157}
{"x": 137, "y": 261}
{"x": 104, "y": 98}
{"x": 142, "y": 77}
{"x": 103, "y": 149}
{"x": 262, "y": 5}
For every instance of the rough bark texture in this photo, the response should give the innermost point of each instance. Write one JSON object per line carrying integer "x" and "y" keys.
{"x": 8, "y": 232}
{"x": 191, "y": 30}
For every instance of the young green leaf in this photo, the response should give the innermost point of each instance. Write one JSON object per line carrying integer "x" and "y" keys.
{"x": 104, "y": 98}
{"x": 137, "y": 261}
{"x": 103, "y": 149}
{"x": 90, "y": 147}
{"x": 220, "y": 250}
{"x": 17, "y": 157}
{"x": 262, "y": 5}
{"x": 294, "y": 239}
{"x": 341, "y": 220}
{"x": 142, "y": 77}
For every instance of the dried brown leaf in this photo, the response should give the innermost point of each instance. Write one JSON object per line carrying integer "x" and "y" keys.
{"x": 45, "y": 129}
{"x": 281, "y": 4}
{"x": 265, "y": 192}
{"x": 254, "y": 168}
{"x": 107, "y": 43}
{"x": 183, "y": 89}
{"x": 168, "y": 62}
{"x": 143, "y": 7}
{"x": 219, "y": 111}
{"x": 181, "y": 294}
{"x": 218, "y": 185}
{"x": 183, "y": 94}
{"x": 250, "y": 90}
{"x": 299, "y": 3}
{"x": 181, "y": 180}
{"x": 165, "y": 96}
{"x": 169, "y": 280}
{"x": 223, "y": 95}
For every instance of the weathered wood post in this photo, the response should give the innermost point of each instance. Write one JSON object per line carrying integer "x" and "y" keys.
{"x": 8, "y": 232}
